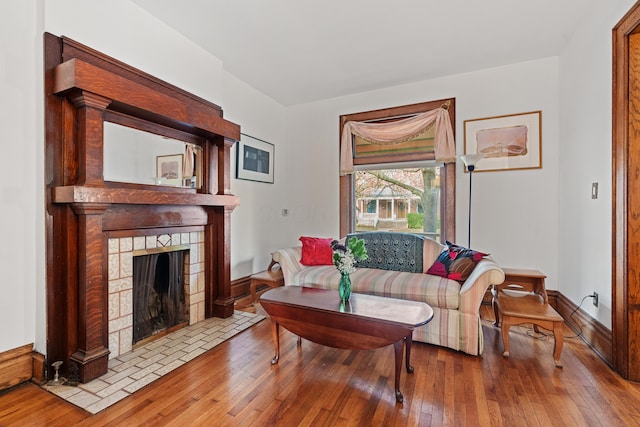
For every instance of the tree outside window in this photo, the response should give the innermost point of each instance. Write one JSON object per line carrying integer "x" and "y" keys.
{"x": 398, "y": 200}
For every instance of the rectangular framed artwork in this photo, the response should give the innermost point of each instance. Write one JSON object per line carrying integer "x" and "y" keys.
{"x": 255, "y": 159}
{"x": 508, "y": 142}
{"x": 169, "y": 170}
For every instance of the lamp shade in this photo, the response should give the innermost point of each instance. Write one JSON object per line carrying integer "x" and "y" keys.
{"x": 470, "y": 160}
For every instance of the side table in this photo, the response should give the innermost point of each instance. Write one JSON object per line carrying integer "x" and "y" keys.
{"x": 522, "y": 298}
{"x": 271, "y": 277}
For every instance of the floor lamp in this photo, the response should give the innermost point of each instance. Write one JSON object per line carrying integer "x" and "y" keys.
{"x": 470, "y": 161}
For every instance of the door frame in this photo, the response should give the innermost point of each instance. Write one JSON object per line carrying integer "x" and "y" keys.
{"x": 625, "y": 287}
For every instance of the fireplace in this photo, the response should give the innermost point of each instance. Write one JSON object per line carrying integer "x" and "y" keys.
{"x": 124, "y": 254}
{"x": 96, "y": 227}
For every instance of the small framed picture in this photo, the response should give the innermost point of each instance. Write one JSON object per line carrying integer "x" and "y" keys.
{"x": 255, "y": 159}
{"x": 169, "y": 170}
{"x": 508, "y": 142}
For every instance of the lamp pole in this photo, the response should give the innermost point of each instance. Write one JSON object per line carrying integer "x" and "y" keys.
{"x": 471, "y": 169}
{"x": 470, "y": 161}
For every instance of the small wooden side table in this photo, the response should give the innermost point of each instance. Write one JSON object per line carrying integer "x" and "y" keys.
{"x": 522, "y": 298}
{"x": 272, "y": 277}
{"x": 526, "y": 280}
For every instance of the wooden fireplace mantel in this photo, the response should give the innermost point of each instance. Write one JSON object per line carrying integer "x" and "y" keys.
{"x": 83, "y": 89}
{"x": 86, "y": 194}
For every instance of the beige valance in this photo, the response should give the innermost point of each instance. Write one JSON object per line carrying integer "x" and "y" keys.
{"x": 400, "y": 131}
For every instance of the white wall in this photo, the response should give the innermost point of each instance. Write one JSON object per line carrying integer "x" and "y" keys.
{"x": 257, "y": 224}
{"x": 514, "y": 212}
{"x": 585, "y": 234}
{"x": 21, "y": 194}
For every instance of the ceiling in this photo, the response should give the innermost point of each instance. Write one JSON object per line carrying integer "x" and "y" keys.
{"x": 298, "y": 51}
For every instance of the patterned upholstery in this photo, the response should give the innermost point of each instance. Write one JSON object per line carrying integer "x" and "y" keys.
{"x": 434, "y": 290}
{"x": 392, "y": 251}
{"x": 456, "y": 319}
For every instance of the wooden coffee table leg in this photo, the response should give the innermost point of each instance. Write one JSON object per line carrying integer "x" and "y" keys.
{"x": 275, "y": 332}
{"x": 397, "y": 346}
{"x": 408, "y": 340}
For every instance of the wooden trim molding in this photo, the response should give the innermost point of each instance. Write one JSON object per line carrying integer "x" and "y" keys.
{"x": 625, "y": 259}
{"x": 593, "y": 333}
{"x": 16, "y": 366}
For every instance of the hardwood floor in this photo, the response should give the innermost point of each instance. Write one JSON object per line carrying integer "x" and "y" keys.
{"x": 235, "y": 385}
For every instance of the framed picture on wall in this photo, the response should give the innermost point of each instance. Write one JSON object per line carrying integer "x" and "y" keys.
{"x": 255, "y": 159}
{"x": 508, "y": 142}
{"x": 169, "y": 170}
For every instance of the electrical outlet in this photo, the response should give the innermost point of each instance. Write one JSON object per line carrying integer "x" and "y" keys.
{"x": 595, "y": 299}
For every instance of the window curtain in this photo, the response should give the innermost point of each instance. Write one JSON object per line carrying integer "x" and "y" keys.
{"x": 400, "y": 131}
{"x": 187, "y": 163}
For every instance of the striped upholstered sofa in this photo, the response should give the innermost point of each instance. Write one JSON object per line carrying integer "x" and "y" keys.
{"x": 396, "y": 268}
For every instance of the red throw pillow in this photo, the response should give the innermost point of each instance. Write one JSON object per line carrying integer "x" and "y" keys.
{"x": 316, "y": 251}
{"x": 456, "y": 262}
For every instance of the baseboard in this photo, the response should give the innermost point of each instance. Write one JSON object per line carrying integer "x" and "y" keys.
{"x": 240, "y": 287}
{"x": 16, "y": 366}
{"x": 240, "y": 291}
{"x": 593, "y": 333}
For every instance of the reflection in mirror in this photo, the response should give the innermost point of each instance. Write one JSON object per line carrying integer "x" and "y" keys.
{"x": 138, "y": 157}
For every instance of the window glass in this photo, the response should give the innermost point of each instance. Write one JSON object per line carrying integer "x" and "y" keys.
{"x": 403, "y": 199}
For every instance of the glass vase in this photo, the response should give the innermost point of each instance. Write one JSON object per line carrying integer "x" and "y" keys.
{"x": 345, "y": 287}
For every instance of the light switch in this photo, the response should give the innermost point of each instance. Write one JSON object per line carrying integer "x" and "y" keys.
{"x": 594, "y": 190}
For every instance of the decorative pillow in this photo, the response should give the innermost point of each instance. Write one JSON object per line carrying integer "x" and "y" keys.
{"x": 316, "y": 251}
{"x": 456, "y": 262}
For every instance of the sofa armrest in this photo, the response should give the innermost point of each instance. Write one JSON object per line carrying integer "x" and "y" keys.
{"x": 289, "y": 260}
{"x": 485, "y": 274}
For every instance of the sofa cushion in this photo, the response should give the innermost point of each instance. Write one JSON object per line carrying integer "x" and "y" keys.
{"x": 392, "y": 251}
{"x": 316, "y": 251}
{"x": 434, "y": 290}
{"x": 456, "y": 262}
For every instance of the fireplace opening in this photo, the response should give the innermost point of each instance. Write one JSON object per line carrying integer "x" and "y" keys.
{"x": 158, "y": 294}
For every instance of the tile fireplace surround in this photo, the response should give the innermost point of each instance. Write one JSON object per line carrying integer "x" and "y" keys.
{"x": 121, "y": 254}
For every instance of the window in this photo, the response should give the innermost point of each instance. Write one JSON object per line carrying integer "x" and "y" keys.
{"x": 396, "y": 199}
{"x": 399, "y": 190}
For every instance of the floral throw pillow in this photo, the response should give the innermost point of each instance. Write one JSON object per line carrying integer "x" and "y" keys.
{"x": 316, "y": 251}
{"x": 456, "y": 262}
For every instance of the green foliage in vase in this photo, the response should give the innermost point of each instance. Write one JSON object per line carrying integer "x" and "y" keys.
{"x": 345, "y": 257}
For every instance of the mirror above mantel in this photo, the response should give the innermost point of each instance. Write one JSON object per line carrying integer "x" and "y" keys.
{"x": 138, "y": 157}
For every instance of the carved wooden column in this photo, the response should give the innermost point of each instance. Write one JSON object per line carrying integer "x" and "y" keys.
{"x": 224, "y": 158}
{"x": 90, "y": 359}
{"x": 92, "y": 355}
{"x": 90, "y": 137}
{"x": 218, "y": 299}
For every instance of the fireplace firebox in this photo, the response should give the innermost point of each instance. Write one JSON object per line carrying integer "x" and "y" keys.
{"x": 158, "y": 294}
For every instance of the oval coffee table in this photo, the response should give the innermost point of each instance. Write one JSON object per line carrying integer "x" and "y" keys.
{"x": 365, "y": 323}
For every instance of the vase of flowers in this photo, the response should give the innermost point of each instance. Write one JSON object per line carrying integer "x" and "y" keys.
{"x": 345, "y": 258}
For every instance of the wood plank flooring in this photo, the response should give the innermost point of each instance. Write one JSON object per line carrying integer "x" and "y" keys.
{"x": 235, "y": 385}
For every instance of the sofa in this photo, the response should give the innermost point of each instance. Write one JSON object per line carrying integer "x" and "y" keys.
{"x": 397, "y": 267}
